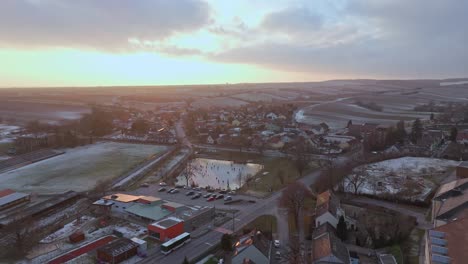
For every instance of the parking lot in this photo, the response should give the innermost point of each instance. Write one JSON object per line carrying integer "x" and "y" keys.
{"x": 182, "y": 197}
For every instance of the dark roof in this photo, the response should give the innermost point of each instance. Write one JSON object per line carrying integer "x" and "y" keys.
{"x": 456, "y": 237}
{"x": 327, "y": 248}
{"x": 118, "y": 247}
{"x": 322, "y": 229}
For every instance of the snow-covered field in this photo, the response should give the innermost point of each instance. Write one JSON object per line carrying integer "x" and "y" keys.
{"x": 219, "y": 173}
{"x": 79, "y": 168}
{"x": 68, "y": 229}
{"x": 6, "y": 133}
{"x": 409, "y": 177}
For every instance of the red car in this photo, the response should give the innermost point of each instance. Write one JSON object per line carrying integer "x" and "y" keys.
{"x": 211, "y": 199}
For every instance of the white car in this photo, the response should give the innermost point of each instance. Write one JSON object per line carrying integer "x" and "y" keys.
{"x": 277, "y": 243}
{"x": 162, "y": 184}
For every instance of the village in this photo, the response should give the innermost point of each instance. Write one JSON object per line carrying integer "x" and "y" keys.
{"x": 235, "y": 184}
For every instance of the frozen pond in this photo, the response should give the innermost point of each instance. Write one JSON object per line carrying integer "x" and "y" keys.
{"x": 218, "y": 174}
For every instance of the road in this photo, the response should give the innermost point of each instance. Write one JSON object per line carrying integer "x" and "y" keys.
{"x": 180, "y": 133}
{"x": 202, "y": 244}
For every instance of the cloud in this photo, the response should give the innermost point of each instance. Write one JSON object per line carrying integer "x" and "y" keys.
{"x": 388, "y": 38}
{"x": 103, "y": 25}
{"x": 298, "y": 20}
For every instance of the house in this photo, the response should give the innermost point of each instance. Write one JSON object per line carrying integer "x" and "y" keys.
{"x": 327, "y": 247}
{"x": 248, "y": 249}
{"x": 327, "y": 209}
{"x": 235, "y": 122}
{"x": 275, "y": 142}
{"x": 450, "y": 202}
{"x": 447, "y": 243}
{"x": 271, "y": 116}
{"x": 210, "y": 140}
{"x": 462, "y": 136}
{"x": 249, "y": 255}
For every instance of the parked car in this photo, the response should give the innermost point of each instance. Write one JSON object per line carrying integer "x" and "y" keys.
{"x": 189, "y": 193}
{"x": 196, "y": 196}
{"x": 210, "y": 190}
{"x": 231, "y": 193}
{"x": 186, "y": 187}
{"x": 207, "y": 195}
{"x": 228, "y": 198}
{"x": 145, "y": 184}
{"x": 277, "y": 243}
{"x": 162, "y": 189}
{"x": 210, "y": 199}
{"x": 174, "y": 191}
{"x": 196, "y": 189}
{"x": 162, "y": 184}
{"x": 170, "y": 190}
{"x": 219, "y": 196}
{"x": 222, "y": 192}
{"x": 179, "y": 186}
{"x": 277, "y": 255}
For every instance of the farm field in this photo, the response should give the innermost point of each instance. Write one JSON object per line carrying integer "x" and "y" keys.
{"x": 42, "y": 111}
{"x": 396, "y": 105}
{"x": 79, "y": 168}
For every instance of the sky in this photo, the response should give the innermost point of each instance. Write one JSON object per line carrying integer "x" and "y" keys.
{"x": 160, "y": 42}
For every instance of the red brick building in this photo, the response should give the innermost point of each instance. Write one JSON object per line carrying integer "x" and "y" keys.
{"x": 166, "y": 229}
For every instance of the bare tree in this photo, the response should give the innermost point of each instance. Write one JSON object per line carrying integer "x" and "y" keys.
{"x": 101, "y": 187}
{"x": 189, "y": 171}
{"x": 23, "y": 235}
{"x": 295, "y": 252}
{"x": 357, "y": 178}
{"x": 293, "y": 199}
{"x": 300, "y": 157}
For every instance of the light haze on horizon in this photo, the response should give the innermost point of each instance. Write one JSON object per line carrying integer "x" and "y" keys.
{"x": 158, "y": 42}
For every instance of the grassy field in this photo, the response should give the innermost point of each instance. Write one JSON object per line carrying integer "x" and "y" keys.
{"x": 80, "y": 168}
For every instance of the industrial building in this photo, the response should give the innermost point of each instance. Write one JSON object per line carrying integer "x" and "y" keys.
{"x": 117, "y": 251}
{"x": 9, "y": 198}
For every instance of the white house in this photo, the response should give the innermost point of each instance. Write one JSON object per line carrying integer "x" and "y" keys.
{"x": 327, "y": 209}
{"x": 272, "y": 116}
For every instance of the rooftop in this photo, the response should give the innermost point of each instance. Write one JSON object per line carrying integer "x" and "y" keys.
{"x": 118, "y": 247}
{"x": 167, "y": 222}
{"x": 463, "y": 164}
{"x": 6, "y": 192}
{"x": 121, "y": 197}
{"x": 326, "y": 201}
{"x": 328, "y": 247}
{"x": 456, "y": 236}
{"x": 250, "y": 255}
{"x": 453, "y": 200}
{"x": 152, "y": 212}
{"x": 12, "y": 197}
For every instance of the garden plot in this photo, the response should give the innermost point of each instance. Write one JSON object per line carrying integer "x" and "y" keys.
{"x": 79, "y": 168}
{"x": 218, "y": 174}
{"x": 410, "y": 178}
